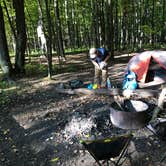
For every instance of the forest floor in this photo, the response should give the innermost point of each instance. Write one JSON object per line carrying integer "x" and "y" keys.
{"x": 40, "y": 127}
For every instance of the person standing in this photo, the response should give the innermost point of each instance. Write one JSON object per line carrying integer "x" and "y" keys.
{"x": 100, "y": 58}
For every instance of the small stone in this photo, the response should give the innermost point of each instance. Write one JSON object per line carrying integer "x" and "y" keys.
{"x": 149, "y": 144}
{"x": 147, "y": 158}
{"x": 75, "y": 151}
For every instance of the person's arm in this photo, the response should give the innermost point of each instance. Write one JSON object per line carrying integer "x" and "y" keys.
{"x": 107, "y": 58}
{"x": 95, "y": 64}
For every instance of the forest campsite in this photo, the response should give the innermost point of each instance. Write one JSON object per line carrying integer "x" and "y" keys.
{"x": 82, "y": 83}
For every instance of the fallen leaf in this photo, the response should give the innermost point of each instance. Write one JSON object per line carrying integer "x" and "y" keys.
{"x": 54, "y": 159}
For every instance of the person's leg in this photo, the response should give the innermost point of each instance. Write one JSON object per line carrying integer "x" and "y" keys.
{"x": 104, "y": 77}
{"x": 97, "y": 76}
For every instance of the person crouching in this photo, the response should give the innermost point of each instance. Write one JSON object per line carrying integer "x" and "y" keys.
{"x": 100, "y": 58}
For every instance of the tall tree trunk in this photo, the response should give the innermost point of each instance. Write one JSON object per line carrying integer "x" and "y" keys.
{"x": 97, "y": 23}
{"x": 21, "y": 36}
{"x": 133, "y": 26}
{"x": 5, "y": 62}
{"x": 163, "y": 24}
{"x": 67, "y": 16}
{"x": 49, "y": 42}
{"x": 124, "y": 27}
{"x": 41, "y": 30}
{"x": 32, "y": 33}
{"x": 153, "y": 23}
{"x": 110, "y": 30}
{"x": 102, "y": 23}
{"x": 94, "y": 26}
{"x": 116, "y": 25}
{"x": 60, "y": 49}
{"x": 145, "y": 19}
{"x": 10, "y": 22}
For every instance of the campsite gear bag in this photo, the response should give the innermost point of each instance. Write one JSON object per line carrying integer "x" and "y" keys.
{"x": 76, "y": 84}
{"x": 130, "y": 81}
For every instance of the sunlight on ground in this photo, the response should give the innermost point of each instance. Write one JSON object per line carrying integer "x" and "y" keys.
{"x": 9, "y": 89}
{"x": 22, "y": 117}
{"x": 33, "y": 85}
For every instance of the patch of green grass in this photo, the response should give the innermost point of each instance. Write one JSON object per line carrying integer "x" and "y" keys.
{"x": 71, "y": 68}
{"x": 4, "y": 85}
{"x": 64, "y": 69}
{"x": 155, "y": 46}
{"x": 35, "y": 69}
{"x": 4, "y": 98}
{"x": 7, "y": 88}
{"x": 75, "y": 50}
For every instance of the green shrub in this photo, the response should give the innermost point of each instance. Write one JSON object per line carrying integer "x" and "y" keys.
{"x": 4, "y": 85}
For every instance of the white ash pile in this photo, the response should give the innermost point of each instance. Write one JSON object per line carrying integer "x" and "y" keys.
{"x": 96, "y": 124}
{"x": 78, "y": 126}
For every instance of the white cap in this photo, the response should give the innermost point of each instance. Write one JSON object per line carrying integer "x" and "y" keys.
{"x": 92, "y": 53}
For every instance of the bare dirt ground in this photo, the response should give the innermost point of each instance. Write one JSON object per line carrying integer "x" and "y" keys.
{"x": 40, "y": 127}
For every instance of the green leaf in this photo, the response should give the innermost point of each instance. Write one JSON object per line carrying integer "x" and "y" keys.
{"x": 54, "y": 159}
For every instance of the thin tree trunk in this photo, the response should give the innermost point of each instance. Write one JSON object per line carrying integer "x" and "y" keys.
{"x": 49, "y": 42}
{"x": 60, "y": 49}
{"x": 67, "y": 16}
{"x": 102, "y": 24}
{"x": 10, "y": 22}
{"x": 163, "y": 24}
{"x": 116, "y": 25}
{"x": 97, "y": 25}
{"x": 124, "y": 27}
{"x": 33, "y": 32}
{"x": 5, "y": 62}
{"x": 94, "y": 26}
{"x": 41, "y": 30}
{"x": 152, "y": 23}
{"x": 111, "y": 34}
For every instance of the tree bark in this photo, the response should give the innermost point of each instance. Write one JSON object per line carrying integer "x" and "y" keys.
{"x": 49, "y": 42}
{"x": 163, "y": 24}
{"x": 60, "y": 48}
{"x": 111, "y": 34}
{"x": 21, "y": 36}
{"x": 5, "y": 62}
{"x": 10, "y": 22}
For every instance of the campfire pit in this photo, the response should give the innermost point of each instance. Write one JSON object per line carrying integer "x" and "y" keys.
{"x": 132, "y": 114}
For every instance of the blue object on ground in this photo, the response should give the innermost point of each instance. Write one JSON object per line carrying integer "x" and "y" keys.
{"x": 130, "y": 81}
{"x": 90, "y": 86}
{"x": 108, "y": 83}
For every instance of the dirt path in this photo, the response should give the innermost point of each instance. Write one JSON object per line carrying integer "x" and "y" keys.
{"x": 42, "y": 127}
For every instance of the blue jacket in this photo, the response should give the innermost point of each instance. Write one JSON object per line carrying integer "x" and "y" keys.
{"x": 103, "y": 53}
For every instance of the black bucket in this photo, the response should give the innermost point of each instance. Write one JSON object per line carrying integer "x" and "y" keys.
{"x": 133, "y": 116}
